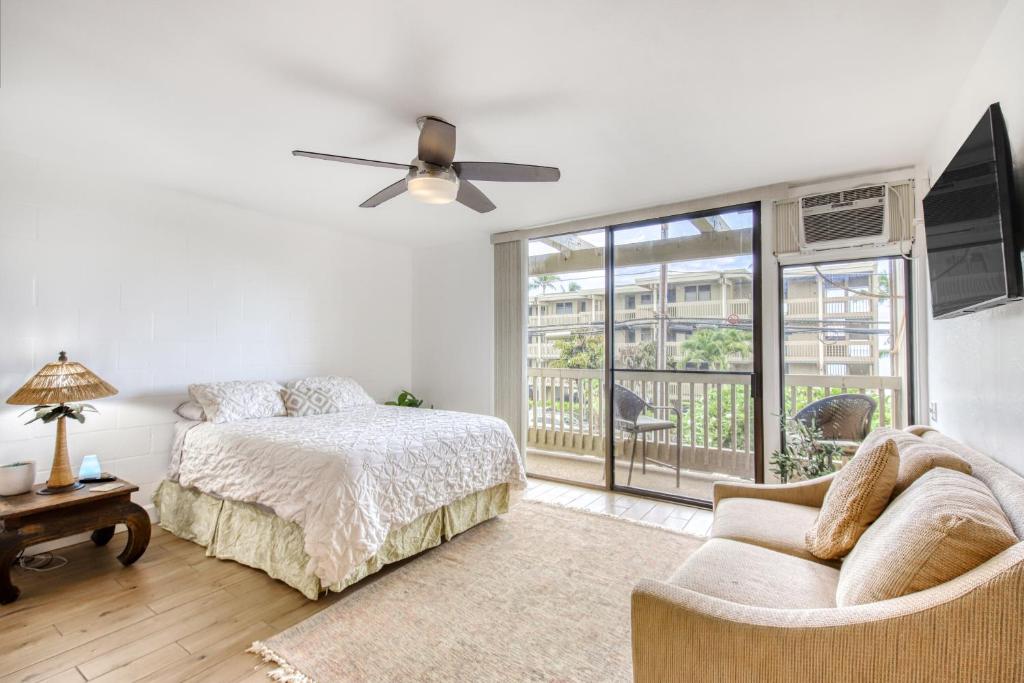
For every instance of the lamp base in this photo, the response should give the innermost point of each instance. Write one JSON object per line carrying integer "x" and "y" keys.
{"x": 50, "y": 490}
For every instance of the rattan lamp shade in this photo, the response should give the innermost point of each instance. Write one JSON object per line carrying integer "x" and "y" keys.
{"x": 62, "y": 381}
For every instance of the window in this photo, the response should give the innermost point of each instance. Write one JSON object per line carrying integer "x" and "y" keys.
{"x": 646, "y": 299}
{"x": 563, "y": 307}
{"x": 583, "y": 306}
{"x": 630, "y": 301}
{"x": 646, "y": 334}
{"x": 851, "y": 340}
{"x": 631, "y": 335}
{"x": 672, "y": 294}
{"x": 697, "y": 293}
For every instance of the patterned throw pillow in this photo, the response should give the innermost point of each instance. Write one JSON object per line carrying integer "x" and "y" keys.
{"x": 321, "y": 395}
{"x": 240, "y": 400}
{"x": 944, "y": 525}
{"x": 857, "y": 496}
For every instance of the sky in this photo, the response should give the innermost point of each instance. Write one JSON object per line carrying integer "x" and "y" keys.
{"x": 650, "y": 233}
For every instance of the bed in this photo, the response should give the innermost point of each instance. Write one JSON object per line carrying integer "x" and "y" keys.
{"x": 321, "y": 501}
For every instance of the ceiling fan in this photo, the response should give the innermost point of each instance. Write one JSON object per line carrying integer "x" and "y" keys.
{"x": 433, "y": 177}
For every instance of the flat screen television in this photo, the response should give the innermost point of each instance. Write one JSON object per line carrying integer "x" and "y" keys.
{"x": 974, "y": 258}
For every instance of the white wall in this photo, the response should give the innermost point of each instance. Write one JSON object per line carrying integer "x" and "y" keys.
{"x": 976, "y": 363}
{"x": 154, "y": 290}
{"x": 453, "y": 326}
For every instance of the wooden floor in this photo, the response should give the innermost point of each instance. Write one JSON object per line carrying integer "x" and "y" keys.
{"x": 177, "y": 615}
{"x": 690, "y": 520}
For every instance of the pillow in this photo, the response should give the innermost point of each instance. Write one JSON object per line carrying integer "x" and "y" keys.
{"x": 240, "y": 400}
{"x": 917, "y": 459}
{"x": 917, "y": 456}
{"x": 944, "y": 525}
{"x": 320, "y": 395}
{"x": 190, "y": 410}
{"x": 858, "y": 494}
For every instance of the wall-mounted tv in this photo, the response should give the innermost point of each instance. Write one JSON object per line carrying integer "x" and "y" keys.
{"x": 974, "y": 258}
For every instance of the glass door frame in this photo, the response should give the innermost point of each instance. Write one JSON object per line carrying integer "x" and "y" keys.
{"x": 756, "y": 375}
{"x": 908, "y": 284}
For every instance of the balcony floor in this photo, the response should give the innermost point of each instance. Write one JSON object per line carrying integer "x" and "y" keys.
{"x": 590, "y": 470}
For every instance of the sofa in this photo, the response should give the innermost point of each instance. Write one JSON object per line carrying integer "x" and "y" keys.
{"x": 752, "y": 604}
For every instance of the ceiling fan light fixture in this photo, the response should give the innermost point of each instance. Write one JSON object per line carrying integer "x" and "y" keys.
{"x": 433, "y": 189}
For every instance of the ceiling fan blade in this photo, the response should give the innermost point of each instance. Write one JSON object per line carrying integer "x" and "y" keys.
{"x": 437, "y": 141}
{"x": 350, "y": 160}
{"x": 471, "y": 196}
{"x": 389, "y": 192}
{"x": 508, "y": 173}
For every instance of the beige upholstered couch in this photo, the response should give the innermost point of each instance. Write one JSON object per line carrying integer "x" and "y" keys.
{"x": 758, "y": 607}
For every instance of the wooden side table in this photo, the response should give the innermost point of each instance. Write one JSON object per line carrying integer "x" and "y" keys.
{"x": 30, "y": 518}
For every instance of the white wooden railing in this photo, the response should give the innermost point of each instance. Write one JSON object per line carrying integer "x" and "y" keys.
{"x": 806, "y": 351}
{"x": 567, "y": 412}
{"x": 795, "y": 308}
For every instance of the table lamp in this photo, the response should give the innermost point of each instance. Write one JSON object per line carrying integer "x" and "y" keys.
{"x": 61, "y": 382}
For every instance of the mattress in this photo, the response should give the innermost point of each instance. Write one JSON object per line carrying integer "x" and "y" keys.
{"x": 348, "y": 479}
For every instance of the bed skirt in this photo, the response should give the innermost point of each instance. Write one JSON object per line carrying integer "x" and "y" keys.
{"x": 254, "y": 536}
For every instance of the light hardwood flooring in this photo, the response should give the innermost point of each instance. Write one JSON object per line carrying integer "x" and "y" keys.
{"x": 690, "y": 520}
{"x": 177, "y": 615}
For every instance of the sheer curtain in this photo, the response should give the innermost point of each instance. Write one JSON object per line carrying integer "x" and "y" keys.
{"x": 510, "y": 335}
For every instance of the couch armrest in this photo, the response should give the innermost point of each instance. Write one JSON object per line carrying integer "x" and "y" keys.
{"x": 968, "y": 629}
{"x": 811, "y": 492}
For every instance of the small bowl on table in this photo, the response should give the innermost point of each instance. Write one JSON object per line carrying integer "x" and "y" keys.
{"x": 17, "y": 478}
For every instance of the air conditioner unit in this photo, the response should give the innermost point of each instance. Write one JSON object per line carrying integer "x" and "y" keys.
{"x": 849, "y": 218}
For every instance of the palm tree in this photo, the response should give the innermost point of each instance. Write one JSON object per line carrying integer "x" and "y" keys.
{"x": 714, "y": 346}
{"x": 574, "y": 287}
{"x": 542, "y": 282}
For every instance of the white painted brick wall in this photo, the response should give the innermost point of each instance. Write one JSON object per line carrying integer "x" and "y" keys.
{"x": 164, "y": 290}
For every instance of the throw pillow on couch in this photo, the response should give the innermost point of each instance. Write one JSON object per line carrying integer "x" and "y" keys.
{"x": 944, "y": 525}
{"x": 857, "y": 496}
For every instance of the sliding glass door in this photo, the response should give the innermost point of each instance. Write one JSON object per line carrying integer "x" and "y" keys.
{"x": 685, "y": 352}
{"x": 643, "y": 368}
{"x": 565, "y": 358}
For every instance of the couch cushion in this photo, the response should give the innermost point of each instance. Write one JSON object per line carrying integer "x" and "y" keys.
{"x": 917, "y": 456}
{"x": 767, "y": 523}
{"x": 858, "y": 494}
{"x": 752, "y": 575}
{"x": 944, "y": 525}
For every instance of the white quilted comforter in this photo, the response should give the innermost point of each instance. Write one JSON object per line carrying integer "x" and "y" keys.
{"x": 348, "y": 478}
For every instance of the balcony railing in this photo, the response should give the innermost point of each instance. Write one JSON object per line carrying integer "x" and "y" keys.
{"x": 567, "y": 412}
{"x": 807, "y": 351}
{"x": 841, "y": 306}
{"x": 801, "y": 308}
{"x": 796, "y": 351}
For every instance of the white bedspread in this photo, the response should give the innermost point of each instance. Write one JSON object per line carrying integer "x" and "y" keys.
{"x": 348, "y": 478}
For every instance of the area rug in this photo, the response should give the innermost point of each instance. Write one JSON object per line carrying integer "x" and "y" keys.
{"x": 539, "y": 594}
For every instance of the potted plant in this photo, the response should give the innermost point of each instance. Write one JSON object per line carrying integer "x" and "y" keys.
{"x": 806, "y": 455}
{"x": 406, "y": 399}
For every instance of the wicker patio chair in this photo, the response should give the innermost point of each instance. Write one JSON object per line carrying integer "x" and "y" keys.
{"x": 629, "y": 411}
{"x": 844, "y": 417}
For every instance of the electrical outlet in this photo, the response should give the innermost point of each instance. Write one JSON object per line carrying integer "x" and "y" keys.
{"x": 933, "y": 411}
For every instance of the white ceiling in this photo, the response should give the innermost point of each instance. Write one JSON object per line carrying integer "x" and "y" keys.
{"x": 639, "y": 103}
